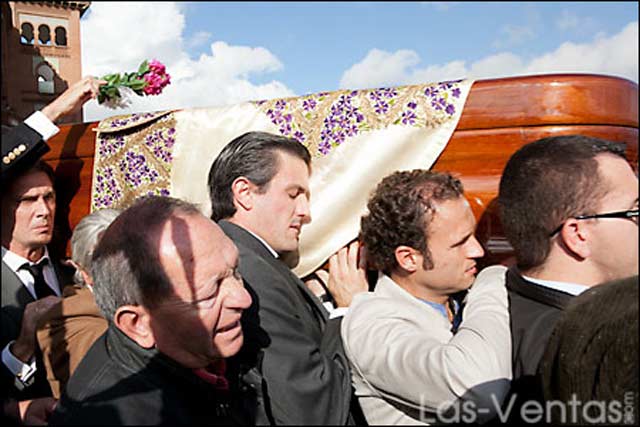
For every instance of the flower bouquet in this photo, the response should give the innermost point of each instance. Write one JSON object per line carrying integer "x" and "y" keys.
{"x": 150, "y": 79}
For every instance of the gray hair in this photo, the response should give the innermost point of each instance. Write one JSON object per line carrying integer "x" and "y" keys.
{"x": 85, "y": 237}
{"x": 126, "y": 261}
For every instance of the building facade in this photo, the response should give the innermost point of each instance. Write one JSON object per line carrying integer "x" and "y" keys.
{"x": 41, "y": 55}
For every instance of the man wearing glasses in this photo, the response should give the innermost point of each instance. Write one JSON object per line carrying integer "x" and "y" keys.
{"x": 569, "y": 207}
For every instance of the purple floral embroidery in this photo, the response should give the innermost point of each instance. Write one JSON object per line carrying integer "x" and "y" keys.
{"x": 343, "y": 121}
{"x": 431, "y": 91}
{"x": 107, "y": 190}
{"x": 309, "y": 104}
{"x": 383, "y": 98}
{"x": 450, "y": 110}
{"x": 328, "y": 119}
{"x": 440, "y": 93}
{"x": 127, "y": 120}
{"x": 136, "y": 171}
{"x": 109, "y": 145}
{"x": 408, "y": 117}
{"x": 161, "y": 143}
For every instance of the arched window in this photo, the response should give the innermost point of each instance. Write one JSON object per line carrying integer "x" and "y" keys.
{"x": 26, "y": 33}
{"x": 45, "y": 78}
{"x": 61, "y": 36}
{"x": 44, "y": 34}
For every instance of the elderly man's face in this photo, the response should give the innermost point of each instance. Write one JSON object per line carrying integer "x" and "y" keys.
{"x": 200, "y": 322}
{"x": 28, "y": 210}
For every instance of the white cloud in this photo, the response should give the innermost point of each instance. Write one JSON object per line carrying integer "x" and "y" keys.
{"x": 615, "y": 55}
{"x": 219, "y": 77}
{"x": 379, "y": 67}
{"x": 198, "y": 39}
{"x": 513, "y": 35}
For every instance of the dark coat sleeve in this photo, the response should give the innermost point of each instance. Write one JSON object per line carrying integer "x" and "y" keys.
{"x": 304, "y": 367}
{"x": 21, "y": 147}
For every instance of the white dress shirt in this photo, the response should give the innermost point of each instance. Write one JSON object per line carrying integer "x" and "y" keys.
{"x": 24, "y": 372}
{"x": 574, "y": 289}
{"x": 41, "y": 124}
{"x": 15, "y": 261}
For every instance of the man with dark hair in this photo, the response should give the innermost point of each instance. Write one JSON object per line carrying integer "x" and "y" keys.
{"x": 569, "y": 208}
{"x": 31, "y": 283}
{"x": 592, "y": 356}
{"x": 166, "y": 279}
{"x": 293, "y": 365}
{"x": 411, "y": 357}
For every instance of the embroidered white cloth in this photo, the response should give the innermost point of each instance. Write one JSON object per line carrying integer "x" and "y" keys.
{"x": 355, "y": 137}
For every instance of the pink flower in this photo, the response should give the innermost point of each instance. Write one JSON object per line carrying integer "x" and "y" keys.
{"x": 150, "y": 79}
{"x": 156, "y": 66}
{"x": 156, "y": 82}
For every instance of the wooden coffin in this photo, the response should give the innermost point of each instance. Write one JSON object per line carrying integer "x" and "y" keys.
{"x": 500, "y": 116}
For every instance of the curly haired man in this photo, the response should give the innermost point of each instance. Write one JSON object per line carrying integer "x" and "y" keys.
{"x": 412, "y": 360}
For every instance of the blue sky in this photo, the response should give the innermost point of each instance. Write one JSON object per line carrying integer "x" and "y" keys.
{"x": 221, "y": 53}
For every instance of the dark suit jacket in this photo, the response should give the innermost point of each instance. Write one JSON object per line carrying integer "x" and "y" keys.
{"x": 26, "y": 145}
{"x": 121, "y": 383}
{"x": 534, "y": 311}
{"x": 293, "y": 358}
{"x": 15, "y": 297}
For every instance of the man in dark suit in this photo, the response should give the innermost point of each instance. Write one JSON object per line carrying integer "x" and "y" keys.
{"x": 22, "y": 147}
{"x": 24, "y": 144}
{"x": 31, "y": 280}
{"x": 569, "y": 207}
{"x": 293, "y": 360}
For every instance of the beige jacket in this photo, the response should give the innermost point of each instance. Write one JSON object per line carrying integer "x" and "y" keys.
{"x": 66, "y": 332}
{"x": 406, "y": 364}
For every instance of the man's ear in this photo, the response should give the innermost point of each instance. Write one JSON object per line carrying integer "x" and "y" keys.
{"x": 135, "y": 322}
{"x": 575, "y": 237}
{"x": 242, "y": 190}
{"x": 407, "y": 258}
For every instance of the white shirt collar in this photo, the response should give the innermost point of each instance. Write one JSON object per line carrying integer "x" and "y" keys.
{"x": 273, "y": 252}
{"x": 15, "y": 261}
{"x": 574, "y": 289}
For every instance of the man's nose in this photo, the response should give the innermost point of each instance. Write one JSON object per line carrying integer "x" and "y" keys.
{"x": 475, "y": 248}
{"x": 43, "y": 208}
{"x": 303, "y": 209}
{"x": 237, "y": 296}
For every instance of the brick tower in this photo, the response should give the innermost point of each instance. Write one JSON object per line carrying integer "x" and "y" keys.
{"x": 40, "y": 55}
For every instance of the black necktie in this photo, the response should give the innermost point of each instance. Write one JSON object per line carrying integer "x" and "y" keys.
{"x": 39, "y": 284}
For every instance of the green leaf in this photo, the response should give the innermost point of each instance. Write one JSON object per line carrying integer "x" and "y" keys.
{"x": 111, "y": 78}
{"x": 144, "y": 68}
{"x": 137, "y": 84}
{"x": 113, "y": 92}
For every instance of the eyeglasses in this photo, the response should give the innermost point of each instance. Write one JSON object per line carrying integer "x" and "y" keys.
{"x": 632, "y": 213}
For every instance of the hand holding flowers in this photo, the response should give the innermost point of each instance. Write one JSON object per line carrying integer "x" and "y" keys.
{"x": 150, "y": 79}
